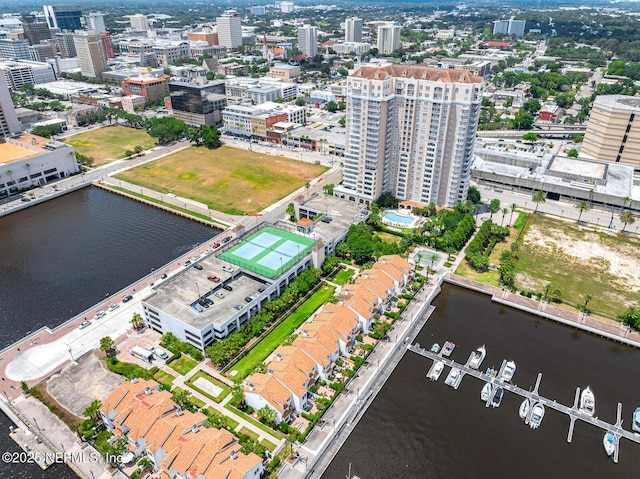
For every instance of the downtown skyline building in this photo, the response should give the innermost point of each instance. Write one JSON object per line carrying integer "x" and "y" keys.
{"x": 410, "y": 131}
{"x": 229, "y": 29}
{"x": 388, "y": 38}
{"x": 353, "y": 30}
{"x": 308, "y": 40}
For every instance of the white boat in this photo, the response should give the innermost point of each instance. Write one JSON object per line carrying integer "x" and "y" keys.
{"x": 486, "y": 392}
{"x": 436, "y": 371}
{"x": 448, "y": 349}
{"x": 587, "y": 402}
{"x": 524, "y": 409}
{"x": 509, "y": 371}
{"x": 453, "y": 377}
{"x": 435, "y": 348}
{"x": 497, "y": 397}
{"x": 477, "y": 357}
{"x": 609, "y": 443}
{"x": 537, "y": 414}
{"x": 635, "y": 424}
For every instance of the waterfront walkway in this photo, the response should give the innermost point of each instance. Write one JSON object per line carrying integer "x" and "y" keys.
{"x": 532, "y": 394}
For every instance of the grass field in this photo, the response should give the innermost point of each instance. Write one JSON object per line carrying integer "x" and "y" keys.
{"x": 578, "y": 262}
{"x": 183, "y": 365}
{"x": 246, "y": 417}
{"x": 342, "y": 276}
{"x": 164, "y": 378}
{"x": 227, "y": 179}
{"x": 269, "y": 343}
{"x": 109, "y": 143}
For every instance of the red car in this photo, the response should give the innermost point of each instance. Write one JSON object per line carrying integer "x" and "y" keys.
{"x": 215, "y": 279}
{"x": 215, "y": 246}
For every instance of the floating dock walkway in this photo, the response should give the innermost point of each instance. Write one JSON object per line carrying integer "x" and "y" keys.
{"x": 573, "y": 412}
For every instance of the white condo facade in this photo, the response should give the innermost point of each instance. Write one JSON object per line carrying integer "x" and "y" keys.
{"x": 308, "y": 40}
{"x": 410, "y": 131}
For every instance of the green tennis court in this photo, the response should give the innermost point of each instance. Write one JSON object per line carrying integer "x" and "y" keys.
{"x": 269, "y": 252}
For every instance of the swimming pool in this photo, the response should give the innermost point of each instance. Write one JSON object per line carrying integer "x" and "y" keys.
{"x": 397, "y": 218}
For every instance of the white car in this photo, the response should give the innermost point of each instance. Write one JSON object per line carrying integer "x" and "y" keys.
{"x": 100, "y": 314}
{"x": 228, "y": 269}
{"x": 86, "y": 324}
{"x": 113, "y": 306}
{"x": 218, "y": 294}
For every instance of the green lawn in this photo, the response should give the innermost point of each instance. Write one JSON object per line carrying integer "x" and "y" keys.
{"x": 342, "y": 276}
{"x": 282, "y": 331}
{"x": 109, "y": 143}
{"x": 229, "y": 180}
{"x": 201, "y": 374}
{"x": 268, "y": 445}
{"x": 232, "y": 423}
{"x": 249, "y": 432}
{"x": 164, "y": 378}
{"x": 183, "y": 365}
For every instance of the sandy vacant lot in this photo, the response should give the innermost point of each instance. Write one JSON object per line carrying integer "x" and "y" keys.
{"x": 578, "y": 262}
{"x": 76, "y": 386}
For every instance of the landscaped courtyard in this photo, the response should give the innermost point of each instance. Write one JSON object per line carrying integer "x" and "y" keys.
{"x": 109, "y": 143}
{"x": 229, "y": 180}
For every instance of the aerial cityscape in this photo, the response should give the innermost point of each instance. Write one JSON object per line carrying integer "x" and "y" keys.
{"x": 245, "y": 240}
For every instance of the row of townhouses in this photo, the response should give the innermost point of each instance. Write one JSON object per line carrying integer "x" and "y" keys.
{"x": 330, "y": 334}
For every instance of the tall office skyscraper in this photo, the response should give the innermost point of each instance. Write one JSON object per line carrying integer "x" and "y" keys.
{"x": 353, "y": 30}
{"x": 35, "y": 31}
{"x": 66, "y": 46}
{"x": 389, "y": 38}
{"x": 14, "y": 49}
{"x": 9, "y": 122}
{"x": 410, "y": 131}
{"x": 90, "y": 54}
{"x": 229, "y": 29}
{"x": 139, "y": 22}
{"x": 95, "y": 22}
{"x": 308, "y": 40}
{"x": 509, "y": 27}
{"x": 64, "y": 17}
{"x": 107, "y": 46}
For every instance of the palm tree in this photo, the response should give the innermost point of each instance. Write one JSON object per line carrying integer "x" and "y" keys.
{"x": 136, "y": 321}
{"x": 106, "y": 345}
{"x": 504, "y": 212}
{"x": 93, "y": 410}
{"x": 587, "y": 297}
{"x": 538, "y": 197}
{"x": 512, "y": 207}
{"x": 627, "y": 218}
{"x": 582, "y": 207}
{"x": 433, "y": 258}
{"x": 591, "y": 192}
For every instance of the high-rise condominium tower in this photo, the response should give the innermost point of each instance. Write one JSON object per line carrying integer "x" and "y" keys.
{"x": 229, "y": 29}
{"x": 90, "y": 54}
{"x": 9, "y": 123}
{"x": 353, "y": 30}
{"x": 308, "y": 40}
{"x": 410, "y": 131}
{"x": 388, "y": 38}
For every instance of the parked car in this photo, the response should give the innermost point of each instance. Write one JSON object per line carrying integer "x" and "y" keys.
{"x": 226, "y": 239}
{"x": 198, "y": 266}
{"x": 187, "y": 264}
{"x": 208, "y": 251}
{"x": 216, "y": 245}
{"x": 213, "y": 278}
{"x": 198, "y": 308}
{"x": 85, "y": 324}
{"x": 326, "y": 219}
{"x": 160, "y": 353}
{"x": 237, "y": 306}
{"x": 218, "y": 294}
{"x": 163, "y": 276}
{"x": 203, "y": 303}
{"x": 127, "y": 298}
{"x": 248, "y": 299}
{"x": 196, "y": 257}
{"x": 25, "y": 199}
{"x": 260, "y": 290}
{"x": 227, "y": 287}
{"x": 208, "y": 301}
{"x": 100, "y": 314}
{"x": 228, "y": 269}
{"x": 113, "y": 306}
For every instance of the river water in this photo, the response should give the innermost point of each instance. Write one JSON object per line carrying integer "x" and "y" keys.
{"x": 416, "y": 428}
{"x": 61, "y": 257}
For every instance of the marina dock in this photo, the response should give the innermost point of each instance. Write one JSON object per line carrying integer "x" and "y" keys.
{"x": 573, "y": 412}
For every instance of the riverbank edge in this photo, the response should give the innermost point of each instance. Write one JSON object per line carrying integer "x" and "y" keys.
{"x": 548, "y": 311}
{"x": 42, "y": 199}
